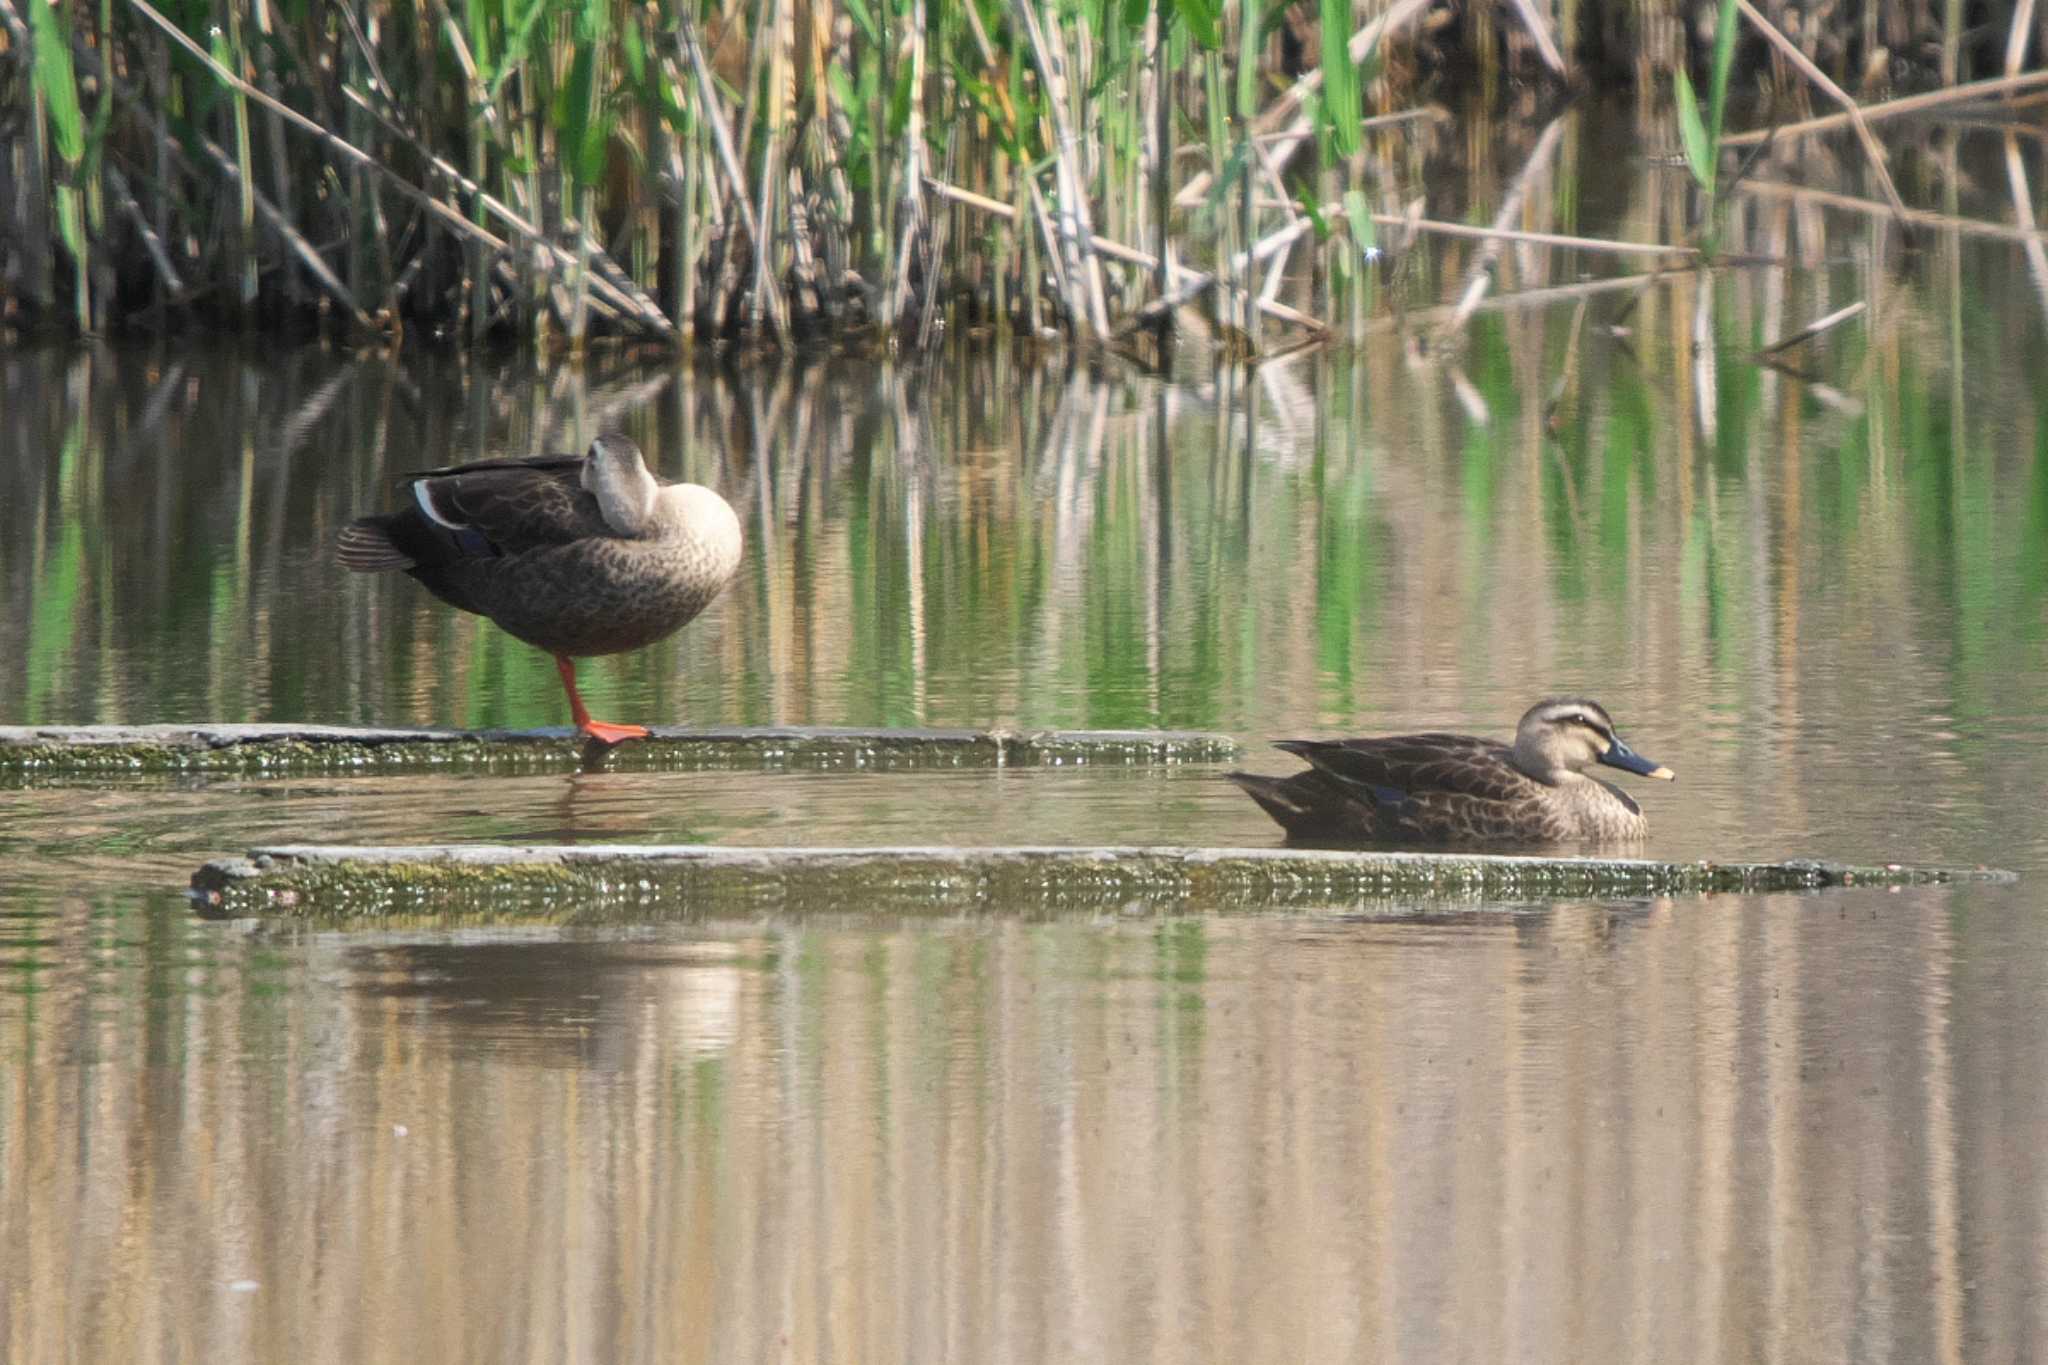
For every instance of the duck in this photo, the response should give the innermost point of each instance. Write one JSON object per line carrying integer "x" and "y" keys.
{"x": 576, "y": 555}
{"x": 1461, "y": 789}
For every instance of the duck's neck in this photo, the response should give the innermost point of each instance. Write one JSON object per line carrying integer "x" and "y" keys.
{"x": 1535, "y": 763}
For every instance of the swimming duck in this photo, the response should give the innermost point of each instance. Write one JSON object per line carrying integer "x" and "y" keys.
{"x": 574, "y": 554}
{"x": 1439, "y": 788}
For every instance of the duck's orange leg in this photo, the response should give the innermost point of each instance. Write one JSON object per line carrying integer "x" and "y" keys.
{"x": 598, "y": 730}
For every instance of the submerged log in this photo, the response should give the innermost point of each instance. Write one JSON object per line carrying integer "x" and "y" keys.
{"x": 57, "y": 749}
{"x": 622, "y": 883}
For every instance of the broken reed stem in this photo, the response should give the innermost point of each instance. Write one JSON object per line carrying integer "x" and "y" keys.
{"x": 1439, "y": 227}
{"x": 1968, "y": 227}
{"x": 1481, "y": 273}
{"x": 1238, "y": 265}
{"x": 1813, "y": 329}
{"x": 1910, "y": 104}
{"x": 1792, "y": 54}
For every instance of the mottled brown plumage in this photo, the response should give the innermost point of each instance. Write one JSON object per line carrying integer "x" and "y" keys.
{"x": 576, "y": 555}
{"x": 1444, "y": 788}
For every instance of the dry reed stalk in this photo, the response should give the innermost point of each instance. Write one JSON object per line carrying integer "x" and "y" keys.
{"x": 1525, "y": 10}
{"x": 1481, "y": 273}
{"x": 441, "y": 213}
{"x": 1281, "y": 120}
{"x": 308, "y": 255}
{"x": 1047, "y": 232}
{"x": 152, "y": 241}
{"x": 910, "y": 220}
{"x": 482, "y": 116}
{"x": 1075, "y": 229}
{"x": 551, "y": 257}
{"x": 280, "y": 162}
{"x": 1529, "y": 298}
{"x": 1438, "y": 227}
{"x": 1129, "y": 255}
{"x": 1568, "y": 376}
{"x": 2023, "y": 210}
{"x": 1430, "y": 112}
{"x": 1834, "y": 92}
{"x": 728, "y": 159}
{"x": 1158, "y": 149}
{"x": 779, "y": 33}
{"x": 1910, "y": 104}
{"x": 1199, "y": 283}
{"x": 2016, "y": 38}
{"x": 1968, "y": 227}
{"x": 1813, "y": 329}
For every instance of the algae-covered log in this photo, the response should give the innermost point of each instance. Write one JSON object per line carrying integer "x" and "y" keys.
{"x": 619, "y": 882}
{"x": 337, "y": 748}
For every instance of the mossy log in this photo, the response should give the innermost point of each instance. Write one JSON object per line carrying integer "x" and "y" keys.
{"x": 60, "y": 749}
{"x": 642, "y": 883}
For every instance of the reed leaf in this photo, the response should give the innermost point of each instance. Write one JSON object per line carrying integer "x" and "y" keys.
{"x": 583, "y": 116}
{"x": 55, "y": 81}
{"x": 1339, "y": 101}
{"x": 1699, "y": 154}
{"x": 1204, "y": 19}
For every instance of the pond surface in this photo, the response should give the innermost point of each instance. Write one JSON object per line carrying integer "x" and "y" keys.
{"x": 1784, "y": 1128}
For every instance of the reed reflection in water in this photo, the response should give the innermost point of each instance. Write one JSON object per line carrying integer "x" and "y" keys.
{"x": 1343, "y": 543}
{"x": 1776, "y": 1129}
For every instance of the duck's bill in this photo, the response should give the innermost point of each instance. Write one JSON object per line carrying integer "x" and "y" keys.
{"x": 1619, "y": 755}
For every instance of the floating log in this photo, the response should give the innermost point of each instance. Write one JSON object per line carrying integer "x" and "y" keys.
{"x": 618, "y": 883}
{"x": 59, "y": 749}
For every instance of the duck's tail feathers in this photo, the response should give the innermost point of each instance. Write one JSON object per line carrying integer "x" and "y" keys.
{"x": 365, "y": 546}
{"x": 1273, "y": 797}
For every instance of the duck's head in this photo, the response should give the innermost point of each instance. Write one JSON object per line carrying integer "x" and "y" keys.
{"x": 1567, "y": 735}
{"x": 616, "y": 475}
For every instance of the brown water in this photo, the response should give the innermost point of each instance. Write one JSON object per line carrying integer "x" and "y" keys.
{"x": 1785, "y": 1128}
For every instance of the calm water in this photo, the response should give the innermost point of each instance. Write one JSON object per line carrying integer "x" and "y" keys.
{"x": 1787, "y": 1128}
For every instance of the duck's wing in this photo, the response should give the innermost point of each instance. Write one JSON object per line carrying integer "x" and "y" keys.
{"x": 514, "y": 505}
{"x": 484, "y": 510}
{"x": 1394, "y": 767}
{"x": 1434, "y": 785}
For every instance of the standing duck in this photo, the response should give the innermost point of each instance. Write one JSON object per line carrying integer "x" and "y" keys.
{"x": 1439, "y": 788}
{"x": 576, "y": 555}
